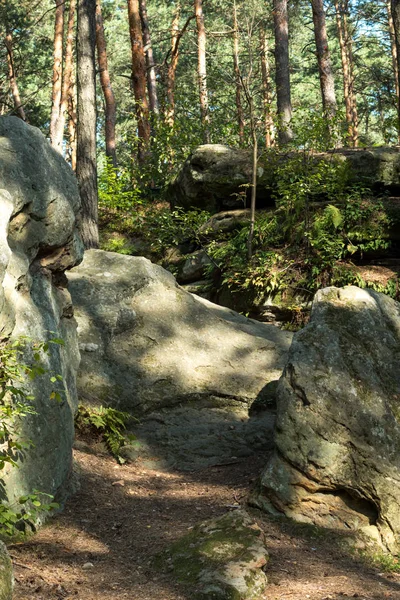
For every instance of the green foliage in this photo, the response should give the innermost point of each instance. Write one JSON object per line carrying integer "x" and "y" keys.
{"x": 105, "y": 422}
{"x": 320, "y": 222}
{"x": 15, "y": 405}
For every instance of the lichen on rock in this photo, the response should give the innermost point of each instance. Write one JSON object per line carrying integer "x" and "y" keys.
{"x": 39, "y": 240}
{"x": 336, "y": 462}
{"x": 221, "y": 559}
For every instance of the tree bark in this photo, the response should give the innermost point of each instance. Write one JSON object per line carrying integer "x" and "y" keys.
{"x": 393, "y": 7}
{"x": 18, "y": 107}
{"x": 282, "y": 76}
{"x": 151, "y": 71}
{"x": 349, "y": 49}
{"x": 72, "y": 125}
{"x": 56, "y": 133}
{"x": 67, "y": 82}
{"x": 109, "y": 99}
{"x": 348, "y": 87}
{"x": 238, "y": 81}
{"x": 324, "y": 60}
{"x": 139, "y": 79}
{"x": 86, "y": 167}
{"x": 202, "y": 70}
{"x": 266, "y": 85}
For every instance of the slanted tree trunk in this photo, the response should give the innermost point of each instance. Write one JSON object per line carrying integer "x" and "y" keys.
{"x": 56, "y": 133}
{"x": 109, "y": 99}
{"x": 139, "y": 79}
{"x": 202, "y": 70}
{"x": 282, "y": 75}
{"x": 266, "y": 85}
{"x": 324, "y": 60}
{"x": 18, "y": 107}
{"x": 151, "y": 71}
{"x": 238, "y": 81}
{"x": 393, "y": 7}
{"x": 86, "y": 167}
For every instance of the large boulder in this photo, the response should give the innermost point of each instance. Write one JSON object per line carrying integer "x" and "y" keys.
{"x": 146, "y": 343}
{"x": 337, "y": 459}
{"x": 39, "y": 204}
{"x": 216, "y": 177}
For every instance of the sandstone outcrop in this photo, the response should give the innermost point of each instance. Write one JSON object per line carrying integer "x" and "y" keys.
{"x": 148, "y": 344}
{"x": 222, "y": 559}
{"x": 214, "y": 177}
{"x": 337, "y": 436}
{"x": 39, "y": 205}
{"x": 6, "y": 574}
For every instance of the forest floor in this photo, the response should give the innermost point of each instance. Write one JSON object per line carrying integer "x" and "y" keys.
{"x": 102, "y": 545}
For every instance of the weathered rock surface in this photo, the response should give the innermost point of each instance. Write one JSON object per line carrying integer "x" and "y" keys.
{"x": 6, "y": 574}
{"x": 39, "y": 204}
{"x": 213, "y": 176}
{"x": 337, "y": 461}
{"x": 221, "y": 559}
{"x": 148, "y": 344}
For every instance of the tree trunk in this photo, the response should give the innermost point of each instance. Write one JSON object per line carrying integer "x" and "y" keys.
{"x": 151, "y": 72}
{"x": 349, "y": 99}
{"x": 68, "y": 76}
{"x": 202, "y": 70}
{"x": 19, "y": 109}
{"x": 139, "y": 79}
{"x": 238, "y": 81}
{"x": 72, "y": 125}
{"x": 109, "y": 99}
{"x": 324, "y": 60}
{"x": 349, "y": 49}
{"x": 282, "y": 76}
{"x": 393, "y": 8}
{"x": 56, "y": 133}
{"x": 266, "y": 85}
{"x": 86, "y": 167}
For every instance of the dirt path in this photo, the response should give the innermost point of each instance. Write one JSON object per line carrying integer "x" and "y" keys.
{"x": 102, "y": 545}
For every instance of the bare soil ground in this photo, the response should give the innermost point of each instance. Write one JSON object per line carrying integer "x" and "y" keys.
{"x": 102, "y": 545}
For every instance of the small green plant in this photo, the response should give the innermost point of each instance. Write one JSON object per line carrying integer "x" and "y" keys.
{"x": 15, "y": 405}
{"x": 107, "y": 423}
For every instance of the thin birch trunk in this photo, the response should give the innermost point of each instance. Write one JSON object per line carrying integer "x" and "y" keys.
{"x": 109, "y": 99}
{"x": 139, "y": 79}
{"x": 202, "y": 70}
{"x": 86, "y": 166}
{"x": 282, "y": 76}
{"x": 56, "y": 132}
{"x": 350, "y": 58}
{"x": 238, "y": 81}
{"x": 18, "y": 107}
{"x": 266, "y": 85}
{"x": 151, "y": 71}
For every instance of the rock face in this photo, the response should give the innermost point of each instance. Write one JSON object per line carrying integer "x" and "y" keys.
{"x": 337, "y": 461}
{"x": 147, "y": 344}
{"x": 221, "y": 559}
{"x": 39, "y": 204}
{"x": 6, "y": 574}
{"x": 213, "y": 176}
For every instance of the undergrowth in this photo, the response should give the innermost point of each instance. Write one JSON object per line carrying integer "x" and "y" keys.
{"x": 17, "y": 404}
{"x": 106, "y": 424}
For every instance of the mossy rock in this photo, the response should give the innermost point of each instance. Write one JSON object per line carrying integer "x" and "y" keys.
{"x": 221, "y": 559}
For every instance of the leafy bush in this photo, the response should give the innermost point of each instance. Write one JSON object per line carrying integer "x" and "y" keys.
{"x": 106, "y": 423}
{"x": 15, "y": 405}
